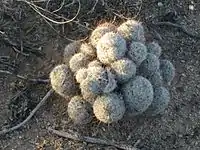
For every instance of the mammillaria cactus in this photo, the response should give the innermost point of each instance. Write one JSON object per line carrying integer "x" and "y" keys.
{"x": 86, "y": 91}
{"x": 137, "y": 52}
{"x": 70, "y": 50}
{"x": 155, "y": 78}
{"x": 81, "y": 75}
{"x": 167, "y": 71}
{"x": 100, "y": 31}
{"x": 138, "y": 95}
{"x": 98, "y": 79}
{"x": 150, "y": 64}
{"x": 87, "y": 49}
{"x": 62, "y": 80}
{"x": 79, "y": 110}
{"x": 124, "y": 69}
{"x": 132, "y": 30}
{"x": 119, "y": 75}
{"x": 95, "y": 63}
{"x": 111, "y": 47}
{"x": 160, "y": 101}
{"x": 78, "y": 61}
{"x": 112, "y": 83}
{"x": 154, "y": 48}
{"x": 109, "y": 108}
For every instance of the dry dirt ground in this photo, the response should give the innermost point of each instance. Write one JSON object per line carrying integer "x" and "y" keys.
{"x": 41, "y": 43}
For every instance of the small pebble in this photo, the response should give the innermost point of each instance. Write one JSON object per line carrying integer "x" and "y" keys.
{"x": 191, "y": 7}
{"x": 160, "y": 4}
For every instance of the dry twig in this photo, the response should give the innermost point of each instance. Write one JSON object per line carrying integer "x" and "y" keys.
{"x": 15, "y": 46}
{"x": 78, "y": 137}
{"x": 34, "y": 7}
{"x": 181, "y": 28}
{"x": 20, "y": 52}
{"x": 5, "y": 131}
{"x": 24, "y": 78}
{"x": 93, "y": 8}
{"x": 61, "y": 6}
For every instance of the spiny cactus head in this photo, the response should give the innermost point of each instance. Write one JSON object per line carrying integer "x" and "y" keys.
{"x": 88, "y": 49}
{"x": 70, "y": 50}
{"x": 109, "y": 108}
{"x": 138, "y": 95}
{"x": 78, "y": 61}
{"x": 124, "y": 69}
{"x": 95, "y": 63}
{"x": 155, "y": 78}
{"x": 79, "y": 110}
{"x": 160, "y": 101}
{"x": 137, "y": 52}
{"x": 154, "y": 48}
{"x": 100, "y": 31}
{"x": 167, "y": 70}
{"x": 89, "y": 90}
{"x": 132, "y": 30}
{"x": 62, "y": 81}
{"x": 112, "y": 82}
{"x": 111, "y": 47}
{"x": 81, "y": 75}
{"x": 150, "y": 65}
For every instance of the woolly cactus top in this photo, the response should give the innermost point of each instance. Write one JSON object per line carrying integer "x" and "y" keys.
{"x": 78, "y": 61}
{"x": 109, "y": 108}
{"x": 154, "y": 48}
{"x": 100, "y": 31}
{"x": 137, "y": 52}
{"x": 62, "y": 80}
{"x": 132, "y": 30}
{"x": 111, "y": 47}
{"x": 124, "y": 69}
{"x": 117, "y": 73}
{"x": 138, "y": 95}
{"x": 79, "y": 110}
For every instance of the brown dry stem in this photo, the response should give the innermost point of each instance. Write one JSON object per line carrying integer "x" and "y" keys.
{"x": 77, "y": 137}
{"x": 5, "y": 131}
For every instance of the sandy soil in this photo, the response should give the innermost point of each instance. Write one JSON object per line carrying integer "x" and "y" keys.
{"x": 24, "y": 29}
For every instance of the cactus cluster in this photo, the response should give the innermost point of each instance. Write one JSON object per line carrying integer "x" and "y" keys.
{"x": 118, "y": 73}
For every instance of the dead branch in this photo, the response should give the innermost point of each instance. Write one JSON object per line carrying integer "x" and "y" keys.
{"x": 5, "y": 131}
{"x": 93, "y": 8}
{"x": 76, "y": 136}
{"x": 34, "y": 7}
{"x": 61, "y": 6}
{"x": 24, "y": 78}
{"x": 181, "y": 28}
{"x": 15, "y": 46}
{"x": 20, "y": 52}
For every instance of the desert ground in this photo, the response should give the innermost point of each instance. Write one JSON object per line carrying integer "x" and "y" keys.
{"x": 31, "y": 45}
